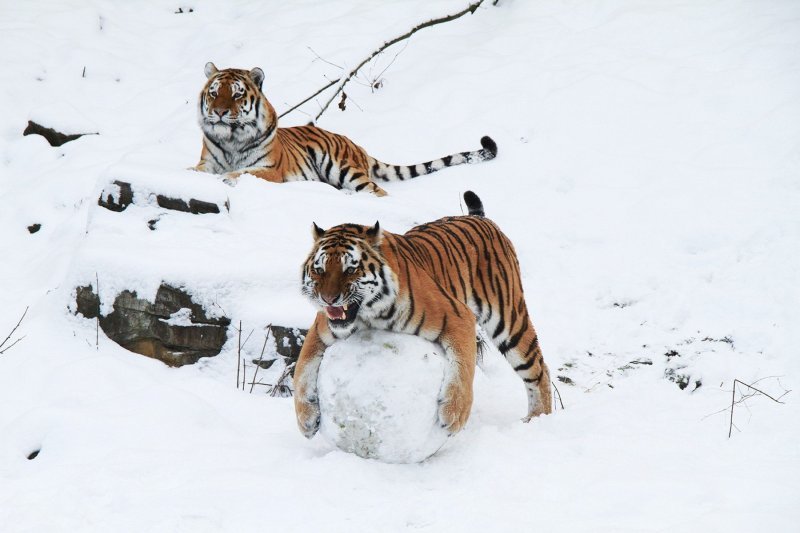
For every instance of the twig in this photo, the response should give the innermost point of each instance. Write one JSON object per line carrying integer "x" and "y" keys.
{"x": 471, "y": 8}
{"x": 745, "y": 397}
{"x": 260, "y": 357}
{"x": 559, "y": 395}
{"x": 279, "y": 386}
{"x": 97, "y": 318}
{"x": 331, "y": 84}
{"x": 247, "y": 338}
{"x": 239, "y": 355}
{"x": 3, "y": 350}
{"x": 375, "y": 79}
{"x": 323, "y": 59}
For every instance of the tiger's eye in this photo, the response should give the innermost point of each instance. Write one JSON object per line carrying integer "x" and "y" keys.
{"x": 350, "y": 270}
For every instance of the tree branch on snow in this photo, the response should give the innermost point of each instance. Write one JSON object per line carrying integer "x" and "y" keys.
{"x": 282, "y": 387}
{"x": 471, "y": 8}
{"x": 743, "y": 397}
{"x": 558, "y": 392}
{"x": 260, "y": 357}
{"x": 4, "y": 350}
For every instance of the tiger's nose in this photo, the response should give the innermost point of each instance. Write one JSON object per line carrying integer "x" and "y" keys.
{"x": 220, "y": 112}
{"x": 329, "y": 298}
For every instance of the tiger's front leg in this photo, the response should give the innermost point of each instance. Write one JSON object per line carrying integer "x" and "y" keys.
{"x": 259, "y": 172}
{"x": 355, "y": 178}
{"x": 306, "y": 402}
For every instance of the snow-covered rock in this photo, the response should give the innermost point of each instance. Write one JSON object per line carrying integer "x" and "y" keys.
{"x": 379, "y": 394}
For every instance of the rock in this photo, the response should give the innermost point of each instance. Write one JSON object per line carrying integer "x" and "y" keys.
{"x": 116, "y": 196}
{"x": 33, "y": 228}
{"x": 55, "y": 138}
{"x": 197, "y": 207}
{"x": 173, "y": 328}
{"x": 379, "y": 396}
{"x": 288, "y": 341}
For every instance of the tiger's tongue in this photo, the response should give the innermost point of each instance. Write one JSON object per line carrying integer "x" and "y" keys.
{"x": 335, "y": 313}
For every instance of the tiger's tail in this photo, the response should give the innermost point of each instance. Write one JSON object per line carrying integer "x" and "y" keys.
{"x": 474, "y": 204}
{"x": 384, "y": 172}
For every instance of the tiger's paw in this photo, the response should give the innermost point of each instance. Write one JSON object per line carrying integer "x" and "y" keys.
{"x": 307, "y": 412}
{"x": 455, "y": 407}
{"x": 231, "y": 178}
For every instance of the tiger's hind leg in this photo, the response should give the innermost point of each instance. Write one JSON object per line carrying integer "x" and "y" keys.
{"x": 521, "y": 349}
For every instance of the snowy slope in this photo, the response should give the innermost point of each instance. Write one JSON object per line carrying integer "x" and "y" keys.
{"x": 648, "y": 175}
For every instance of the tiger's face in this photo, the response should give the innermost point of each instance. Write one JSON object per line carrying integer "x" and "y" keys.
{"x": 231, "y": 105}
{"x": 346, "y": 277}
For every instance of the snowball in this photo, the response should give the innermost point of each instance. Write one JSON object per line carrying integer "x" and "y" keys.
{"x": 379, "y": 396}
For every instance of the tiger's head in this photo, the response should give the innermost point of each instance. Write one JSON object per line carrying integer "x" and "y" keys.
{"x": 232, "y": 106}
{"x": 346, "y": 277}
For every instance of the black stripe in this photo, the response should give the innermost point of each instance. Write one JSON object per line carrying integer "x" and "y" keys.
{"x": 525, "y": 366}
{"x": 441, "y": 331}
{"x": 419, "y": 326}
{"x": 343, "y": 174}
{"x": 511, "y": 343}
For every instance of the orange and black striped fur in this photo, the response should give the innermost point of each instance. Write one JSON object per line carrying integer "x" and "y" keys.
{"x": 436, "y": 281}
{"x": 241, "y": 135}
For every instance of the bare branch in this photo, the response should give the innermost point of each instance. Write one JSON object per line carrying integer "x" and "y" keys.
{"x": 471, "y": 8}
{"x": 558, "y": 392}
{"x": 331, "y": 84}
{"x": 260, "y": 357}
{"x": 3, "y": 350}
{"x": 324, "y": 60}
{"x": 744, "y": 397}
{"x": 239, "y": 355}
{"x": 760, "y": 391}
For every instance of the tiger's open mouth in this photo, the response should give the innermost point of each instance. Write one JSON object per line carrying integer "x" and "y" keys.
{"x": 342, "y": 316}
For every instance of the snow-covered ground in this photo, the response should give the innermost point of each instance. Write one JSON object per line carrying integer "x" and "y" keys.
{"x": 649, "y": 175}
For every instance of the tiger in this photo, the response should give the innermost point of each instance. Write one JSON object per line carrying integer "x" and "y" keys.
{"x": 241, "y": 135}
{"x": 437, "y": 281}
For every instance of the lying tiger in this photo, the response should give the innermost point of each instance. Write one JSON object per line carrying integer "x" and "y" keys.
{"x": 241, "y": 135}
{"x": 436, "y": 281}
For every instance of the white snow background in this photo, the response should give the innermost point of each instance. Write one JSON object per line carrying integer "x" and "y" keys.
{"x": 648, "y": 174}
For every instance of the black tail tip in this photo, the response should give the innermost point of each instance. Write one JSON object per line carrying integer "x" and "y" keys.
{"x": 489, "y": 145}
{"x": 474, "y": 204}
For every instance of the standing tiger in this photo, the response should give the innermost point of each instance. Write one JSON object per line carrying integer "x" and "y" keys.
{"x": 241, "y": 135}
{"x": 436, "y": 281}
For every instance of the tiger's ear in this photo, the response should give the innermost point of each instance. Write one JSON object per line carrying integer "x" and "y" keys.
{"x": 375, "y": 234}
{"x": 317, "y": 232}
{"x": 257, "y": 75}
{"x": 210, "y": 69}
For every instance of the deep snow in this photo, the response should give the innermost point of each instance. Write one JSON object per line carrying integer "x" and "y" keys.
{"x": 647, "y": 174}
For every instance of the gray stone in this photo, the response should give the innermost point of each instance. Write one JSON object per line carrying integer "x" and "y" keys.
{"x": 143, "y": 327}
{"x": 116, "y": 197}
